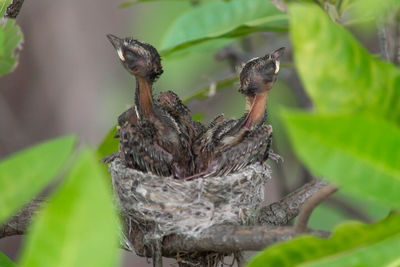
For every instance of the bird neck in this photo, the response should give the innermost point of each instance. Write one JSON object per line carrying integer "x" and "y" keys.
{"x": 257, "y": 109}
{"x": 249, "y": 103}
{"x": 144, "y": 97}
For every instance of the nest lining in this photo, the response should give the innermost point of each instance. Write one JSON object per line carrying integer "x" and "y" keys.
{"x": 172, "y": 206}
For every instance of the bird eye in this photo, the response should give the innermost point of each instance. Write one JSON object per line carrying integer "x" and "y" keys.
{"x": 129, "y": 55}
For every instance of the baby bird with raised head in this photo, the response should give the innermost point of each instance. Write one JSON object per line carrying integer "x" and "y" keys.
{"x": 230, "y": 145}
{"x": 153, "y": 134}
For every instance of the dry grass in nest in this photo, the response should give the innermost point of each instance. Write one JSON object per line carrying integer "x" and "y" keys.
{"x": 170, "y": 206}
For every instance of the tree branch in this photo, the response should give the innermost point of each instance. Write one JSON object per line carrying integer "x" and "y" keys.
{"x": 310, "y": 205}
{"x": 18, "y": 224}
{"x": 397, "y": 41}
{"x": 231, "y": 238}
{"x": 221, "y": 238}
{"x": 281, "y": 212}
{"x": 225, "y": 83}
{"x": 348, "y": 209}
{"x": 13, "y": 9}
{"x": 203, "y": 93}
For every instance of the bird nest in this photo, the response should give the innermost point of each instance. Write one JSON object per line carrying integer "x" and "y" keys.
{"x": 170, "y": 206}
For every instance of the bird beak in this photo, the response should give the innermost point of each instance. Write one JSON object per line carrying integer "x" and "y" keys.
{"x": 276, "y": 55}
{"x": 117, "y": 43}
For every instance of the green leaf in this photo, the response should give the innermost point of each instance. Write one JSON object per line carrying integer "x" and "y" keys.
{"x": 10, "y": 39}
{"x": 109, "y": 144}
{"x": 198, "y": 116}
{"x": 79, "y": 226}
{"x": 216, "y": 20}
{"x": 26, "y": 173}
{"x": 337, "y": 72}
{"x": 5, "y": 261}
{"x": 384, "y": 253}
{"x": 371, "y": 9}
{"x": 348, "y": 244}
{"x": 358, "y": 153}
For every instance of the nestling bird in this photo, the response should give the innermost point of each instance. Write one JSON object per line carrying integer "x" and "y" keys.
{"x": 230, "y": 145}
{"x": 155, "y": 134}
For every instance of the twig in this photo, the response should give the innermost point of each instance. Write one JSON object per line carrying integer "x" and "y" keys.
{"x": 219, "y": 85}
{"x": 298, "y": 90}
{"x": 397, "y": 34}
{"x": 238, "y": 257}
{"x": 203, "y": 93}
{"x": 234, "y": 56}
{"x": 279, "y": 4}
{"x": 18, "y": 224}
{"x": 305, "y": 213}
{"x": 281, "y": 212}
{"x": 348, "y": 209}
{"x": 157, "y": 256}
{"x": 13, "y": 9}
{"x": 383, "y": 39}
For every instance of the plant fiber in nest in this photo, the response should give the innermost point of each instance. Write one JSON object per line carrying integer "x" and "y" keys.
{"x": 162, "y": 205}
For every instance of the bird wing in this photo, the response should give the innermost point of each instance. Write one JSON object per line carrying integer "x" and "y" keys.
{"x": 180, "y": 112}
{"x": 142, "y": 151}
{"x": 253, "y": 146}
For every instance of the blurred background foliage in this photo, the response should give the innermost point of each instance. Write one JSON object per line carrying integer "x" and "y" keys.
{"x": 335, "y": 109}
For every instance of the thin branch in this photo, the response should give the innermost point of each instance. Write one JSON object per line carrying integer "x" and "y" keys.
{"x": 157, "y": 255}
{"x": 348, "y": 209}
{"x": 284, "y": 188}
{"x": 225, "y": 83}
{"x": 310, "y": 205}
{"x": 233, "y": 55}
{"x": 13, "y": 9}
{"x": 383, "y": 39}
{"x": 219, "y": 85}
{"x": 397, "y": 34}
{"x": 279, "y": 4}
{"x": 298, "y": 90}
{"x": 281, "y": 212}
{"x": 18, "y": 224}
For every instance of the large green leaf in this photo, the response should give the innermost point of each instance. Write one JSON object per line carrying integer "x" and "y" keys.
{"x": 79, "y": 226}
{"x": 10, "y": 39}
{"x": 337, "y": 72}
{"x": 25, "y": 174}
{"x": 371, "y": 9}
{"x": 348, "y": 246}
{"x": 360, "y": 154}
{"x": 5, "y": 261}
{"x": 384, "y": 253}
{"x": 216, "y": 20}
